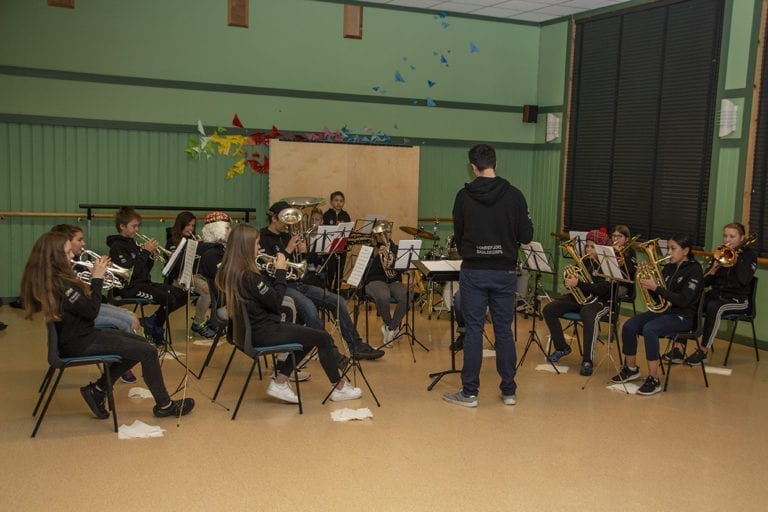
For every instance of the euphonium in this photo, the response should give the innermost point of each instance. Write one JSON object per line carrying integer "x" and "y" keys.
{"x": 579, "y": 271}
{"x": 266, "y": 263}
{"x": 161, "y": 254}
{"x": 727, "y": 256}
{"x": 113, "y": 277}
{"x": 379, "y": 232}
{"x": 650, "y": 270}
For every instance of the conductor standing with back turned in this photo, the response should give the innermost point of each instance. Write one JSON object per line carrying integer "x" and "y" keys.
{"x": 490, "y": 221}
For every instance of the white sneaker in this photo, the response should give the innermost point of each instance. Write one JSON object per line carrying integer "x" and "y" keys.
{"x": 387, "y": 336}
{"x": 348, "y": 392}
{"x": 282, "y": 392}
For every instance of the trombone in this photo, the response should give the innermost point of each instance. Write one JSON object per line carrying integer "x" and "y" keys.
{"x": 160, "y": 254}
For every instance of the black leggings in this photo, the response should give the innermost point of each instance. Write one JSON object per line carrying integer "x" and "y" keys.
{"x": 168, "y": 297}
{"x": 278, "y": 334}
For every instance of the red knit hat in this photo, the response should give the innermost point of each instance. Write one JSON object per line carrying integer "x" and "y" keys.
{"x": 599, "y": 237}
{"x": 217, "y": 217}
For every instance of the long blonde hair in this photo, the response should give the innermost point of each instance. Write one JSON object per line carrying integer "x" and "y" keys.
{"x": 239, "y": 259}
{"x": 47, "y": 275}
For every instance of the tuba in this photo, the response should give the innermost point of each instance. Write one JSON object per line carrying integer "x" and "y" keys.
{"x": 161, "y": 254}
{"x": 727, "y": 256}
{"x": 650, "y": 270}
{"x": 378, "y": 231}
{"x": 579, "y": 271}
{"x": 113, "y": 277}
{"x": 266, "y": 263}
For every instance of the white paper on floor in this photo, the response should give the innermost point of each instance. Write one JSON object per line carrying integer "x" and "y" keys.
{"x": 489, "y": 353}
{"x": 138, "y": 392}
{"x": 351, "y": 414}
{"x": 631, "y": 387}
{"x": 203, "y": 343}
{"x": 168, "y": 355}
{"x": 718, "y": 370}
{"x": 548, "y": 368}
{"x": 139, "y": 430}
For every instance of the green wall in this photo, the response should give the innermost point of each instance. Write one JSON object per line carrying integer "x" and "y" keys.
{"x": 97, "y": 103}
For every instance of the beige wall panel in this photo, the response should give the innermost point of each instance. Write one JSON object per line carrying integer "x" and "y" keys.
{"x": 374, "y": 179}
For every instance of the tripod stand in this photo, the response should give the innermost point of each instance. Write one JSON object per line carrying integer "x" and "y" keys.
{"x": 613, "y": 274}
{"x": 533, "y": 336}
{"x": 407, "y": 249}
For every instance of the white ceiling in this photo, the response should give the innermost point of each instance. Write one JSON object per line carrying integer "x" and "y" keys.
{"x": 524, "y": 10}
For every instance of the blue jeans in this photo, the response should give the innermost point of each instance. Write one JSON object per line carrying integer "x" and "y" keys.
{"x": 651, "y": 326}
{"x": 113, "y": 317}
{"x": 309, "y": 298}
{"x": 493, "y": 289}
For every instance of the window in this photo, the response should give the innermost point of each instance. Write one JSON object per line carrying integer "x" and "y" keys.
{"x": 642, "y": 118}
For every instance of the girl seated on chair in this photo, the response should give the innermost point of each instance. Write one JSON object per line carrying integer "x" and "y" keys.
{"x": 239, "y": 279}
{"x": 109, "y": 317}
{"x": 126, "y": 253}
{"x": 49, "y": 285}
{"x": 683, "y": 282}
{"x": 730, "y": 292}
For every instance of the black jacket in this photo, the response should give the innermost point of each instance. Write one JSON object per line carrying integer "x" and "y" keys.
{"x": 76, "y": 330}
{"x": 490, "y": 221}
{"x": 376, "y": 269}
{"x": 683, "y": 287}
{"x": 330, "y": 217}
{"x": 263, "y": 299}
{"x": 733, "y": 282}
{"x": 124, "y": 252}
{"x": 210, "y": 260}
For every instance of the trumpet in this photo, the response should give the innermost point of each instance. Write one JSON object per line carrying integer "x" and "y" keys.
{"x": 266, "y": 263}
{"x": 579, "y": 271}
{"x": 114, "y": 277}
{"x": 160, "y": 254}
{"x": 650, "y": 270}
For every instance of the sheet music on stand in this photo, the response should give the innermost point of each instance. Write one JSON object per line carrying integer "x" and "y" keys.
{"x": 359, "y": 269}
{"x": 173, "y": 260}
{"x": 340, "y": 242}
{"x": 581, "y": 238}
{"x": 365, "y": 226}
{"x": 407, "y": 252}
{"x": 185, "y": 279}
{"x": 536, "y": 258}
{"x": 323, "y": 241}
{"x": 609, "y": 264}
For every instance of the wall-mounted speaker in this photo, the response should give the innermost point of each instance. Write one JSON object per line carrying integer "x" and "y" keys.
{"x": 530, "y": 113}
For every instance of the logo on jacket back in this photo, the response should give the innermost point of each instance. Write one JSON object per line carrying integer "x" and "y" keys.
{"x": 488, "y": 249}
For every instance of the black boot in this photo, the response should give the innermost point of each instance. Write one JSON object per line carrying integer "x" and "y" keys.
{"x": 95, "y": 397}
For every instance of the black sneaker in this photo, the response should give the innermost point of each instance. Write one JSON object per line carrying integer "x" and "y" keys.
{"x": 558, "y": 354}
{"x": 367, "y": 352}
{"x": 177, "y": 408}
{"x": 674, "y": 355}
{"x": 697, "y": 357}
{"x": 625, "y": 375}
{"x": 95, "y": 397}
{"x": 651, "y": 386}
{"x": 586, "y": 368}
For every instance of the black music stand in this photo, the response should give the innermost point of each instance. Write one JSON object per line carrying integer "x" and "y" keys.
{"x": 405, "y": 261}
{"x": 450, "y": 277}
{"x": 536, "y": 261}
{"x": 611, "y": 271}
{"x": 354, "y": 361}
{"x": 338, "y": 244}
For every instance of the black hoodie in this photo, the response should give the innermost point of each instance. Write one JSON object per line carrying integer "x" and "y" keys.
{"x": 490, "y": 221}
{"x": 124, "y": 252}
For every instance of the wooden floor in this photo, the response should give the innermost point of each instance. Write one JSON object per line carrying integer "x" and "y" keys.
{"x": 561, "y": 448}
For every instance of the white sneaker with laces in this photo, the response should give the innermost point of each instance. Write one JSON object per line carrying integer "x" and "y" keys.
{"x": 387, "y": 336}
{"x": 282, "y": 392}
{"x": 348, "y": 392}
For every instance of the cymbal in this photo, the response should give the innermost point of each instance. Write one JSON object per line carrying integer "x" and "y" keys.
{"x": 303, "y": 201}
{"x": 421, "y": 233}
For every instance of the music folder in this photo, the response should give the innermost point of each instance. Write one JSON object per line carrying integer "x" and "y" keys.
{"x": 363, "y": 257}
{"x": 173, "y": 260}
{"x": 439, "y": 270}
{"x": 185, "y": 279}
